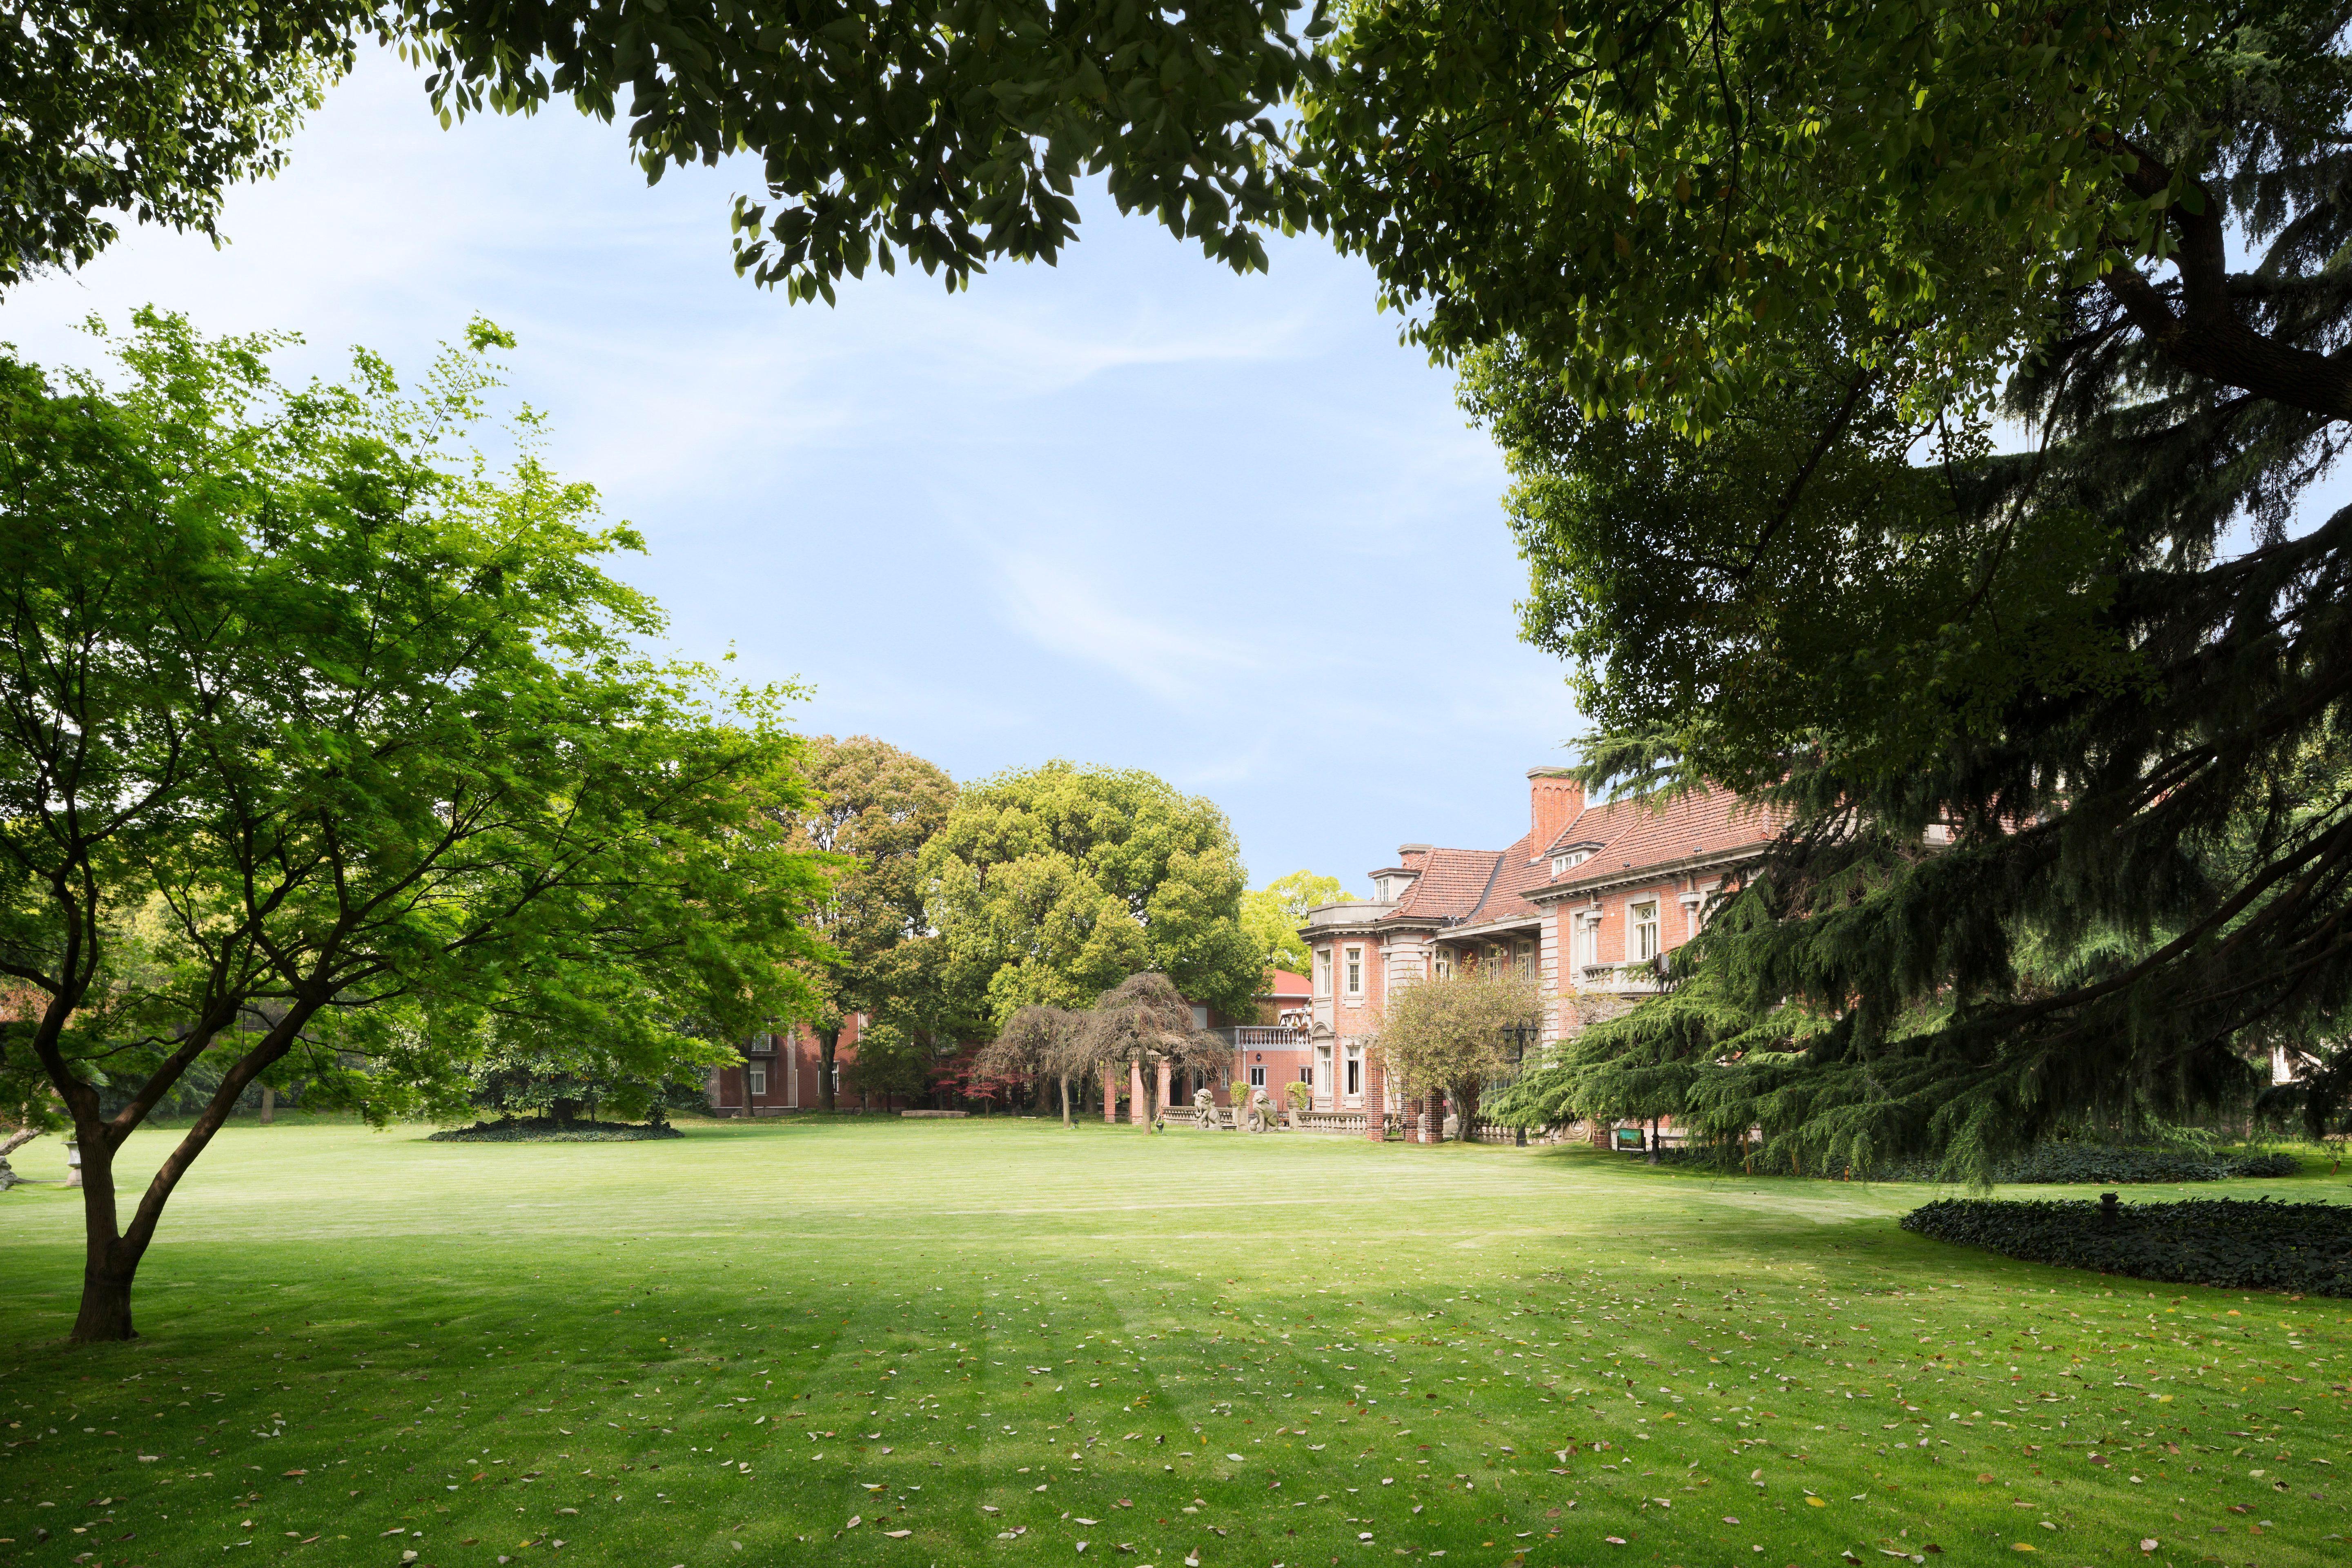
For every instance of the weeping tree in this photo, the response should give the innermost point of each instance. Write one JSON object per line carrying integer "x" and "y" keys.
{"x": 1146, "y": 1021}
{"x": 1454, "y": 1035}
{"x": 1036, "y": 1042}
{"x": 1745, "y": 291}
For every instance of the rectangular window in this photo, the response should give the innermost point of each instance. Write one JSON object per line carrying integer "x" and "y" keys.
{"x": 758, "y": 1078}
{"x": 1257, "y": 1078}
{"x": 1442, "y": 966}
{"x": 1645, "y": 930}
{"x": 1355, "y": 972}
{"x": 1355, "y": 1074}
{"x": 1585, "y": 937}
{"x": 1307, "y": 1076}
{"x": 1322, "y": 971}
{"x": 1200, "y": 1017}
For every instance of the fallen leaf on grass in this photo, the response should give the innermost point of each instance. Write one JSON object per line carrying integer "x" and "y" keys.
{"x": 897, "y": 1534}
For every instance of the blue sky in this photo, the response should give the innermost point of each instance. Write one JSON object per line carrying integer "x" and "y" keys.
{"x": 1131, "y": 509}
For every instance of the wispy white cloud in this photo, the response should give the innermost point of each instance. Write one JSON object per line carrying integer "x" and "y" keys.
{"x": 1092, "y": 617}
{"x": 1132, "y": 509}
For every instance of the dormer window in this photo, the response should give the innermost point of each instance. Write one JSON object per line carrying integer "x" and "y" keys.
{"x": 1562, "y": 864}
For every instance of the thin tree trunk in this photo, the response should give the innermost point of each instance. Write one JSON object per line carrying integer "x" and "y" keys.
{"x": 828, "y": 1041}
{"x": 17, "y": 1140}
{"x": 111, "y": 1252}
{"x": 1066, "y": 1100}
{"x": 268, "y": 1105}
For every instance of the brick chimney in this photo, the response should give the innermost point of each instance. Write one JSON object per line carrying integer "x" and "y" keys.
{"x": 1554, "y": 799}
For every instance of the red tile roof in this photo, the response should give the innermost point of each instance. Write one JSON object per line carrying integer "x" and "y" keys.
{"x": 1633, "y": 834}
{"x": 1452, "y": 883}
{"x": 1478, "y": 887}
{"x": 1282, "y": 982}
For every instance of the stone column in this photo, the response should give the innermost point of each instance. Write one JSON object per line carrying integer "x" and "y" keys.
{"x": 1110, "y": 1092}
{"x": 1376, "y": 1097}
{"x": 1135, "y": 1093}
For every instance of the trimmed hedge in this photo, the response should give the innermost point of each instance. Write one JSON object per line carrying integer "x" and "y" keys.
{"x": 2055, "y": 1165}
{"x": 540, "y": 1130}
{"x": 2260, "y": 1244}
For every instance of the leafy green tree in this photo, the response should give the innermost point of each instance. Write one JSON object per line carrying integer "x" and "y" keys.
{"x": 1456, "y": 1034}
{"x": 1051, "y": 884}
{"x": 361, "y": 721}
{"x": 947, "y": 136}
{"x": 1742, "y": 288}
{"x": 151, "y": 107}
{"x": 891, "y": 1061}
{"x": 525, "y": 1072}
{"x": 872, "y": 809}
{"x": 1273, "y": 914}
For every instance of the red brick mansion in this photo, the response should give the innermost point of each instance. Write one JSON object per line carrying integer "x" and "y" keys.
{"x": 1589, "y": 899}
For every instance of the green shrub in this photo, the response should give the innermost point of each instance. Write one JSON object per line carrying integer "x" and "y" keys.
{"x": 2051, "y": 1164}
{"x": 545, "y": 1129}
{"x": 2260, "y": 1244}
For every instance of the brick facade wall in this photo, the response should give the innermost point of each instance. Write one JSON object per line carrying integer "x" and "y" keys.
{"x": 790, "y": 1073}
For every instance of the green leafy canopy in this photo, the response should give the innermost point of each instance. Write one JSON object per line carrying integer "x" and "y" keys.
{"x": 316, "y": 722}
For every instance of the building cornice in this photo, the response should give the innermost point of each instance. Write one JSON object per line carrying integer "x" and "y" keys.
{"x": 1595, "y": 883}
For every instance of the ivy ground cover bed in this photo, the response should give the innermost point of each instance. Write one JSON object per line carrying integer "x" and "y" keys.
{"x": 987, "y": 1342}
{"x": 2292, "y": 1247}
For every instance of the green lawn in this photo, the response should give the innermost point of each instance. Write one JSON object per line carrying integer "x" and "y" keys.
{"x": 914, "y": 1343}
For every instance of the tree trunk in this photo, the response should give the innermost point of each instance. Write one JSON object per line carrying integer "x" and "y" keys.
{"x": 110, "y": 1262}
{"x": 1654, "y": 1140}
{"x": 105, "y": 1315}
{"x": 828, "y": 1041}
{"x": 111, "y": 1252}
{"x": 268, "y": 1105}
{"x": 1066, "y": 1100}
{"x": 17, "y": 1140}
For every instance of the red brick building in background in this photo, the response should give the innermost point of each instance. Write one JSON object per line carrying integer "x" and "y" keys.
{"x": 779, "y": 1073}
{"x": 1589, "y": 900}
